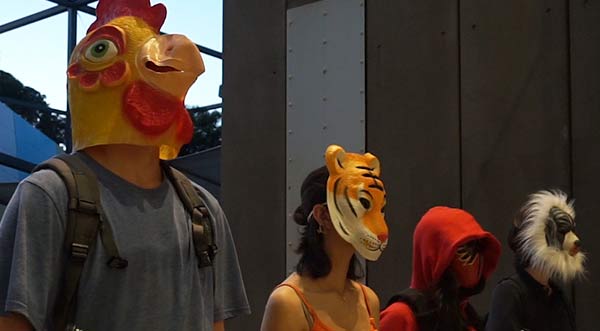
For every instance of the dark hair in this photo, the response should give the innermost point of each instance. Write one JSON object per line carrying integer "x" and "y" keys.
{"x": 446, "y": 298}
{"x": 314, "y": 261}
{"x": 512, "y": 238}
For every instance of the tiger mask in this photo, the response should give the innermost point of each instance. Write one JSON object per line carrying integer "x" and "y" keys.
{"x": 356, "y": 199}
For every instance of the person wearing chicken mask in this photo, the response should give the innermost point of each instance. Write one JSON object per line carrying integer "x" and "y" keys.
{"x": 452, "y": 258}
{"x": 127, "y": 85}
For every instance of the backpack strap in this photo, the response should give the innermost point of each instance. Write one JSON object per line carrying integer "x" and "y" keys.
{"x": 424, "y": 309}
{"x": 202, "y": 228}
{"x": 84, "y": 221}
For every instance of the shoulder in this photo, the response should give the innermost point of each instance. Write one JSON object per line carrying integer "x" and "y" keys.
{"x": 285, "y": 298}
{"x": 398, "y": 309}
{"x": 212, "y": 204}
{"x": 42, "y": 185}
{"x": 509, "y": 285}
{"x": 398, "y": 316}
{"x": 508, "y": 290}
{"x": 284, "y": 311}
{"x": 371, "y": 297}
{"x": 46, "y": 180}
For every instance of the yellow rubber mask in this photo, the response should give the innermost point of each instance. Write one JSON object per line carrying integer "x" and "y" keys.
{"x": 127, "y": 83}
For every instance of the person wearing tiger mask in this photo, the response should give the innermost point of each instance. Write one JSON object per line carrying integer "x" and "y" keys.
{"x": 452, "y": 258}
{"x": 342, "y": 214}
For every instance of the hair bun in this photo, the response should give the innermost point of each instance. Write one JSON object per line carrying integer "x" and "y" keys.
{"x": 300, "y": 216}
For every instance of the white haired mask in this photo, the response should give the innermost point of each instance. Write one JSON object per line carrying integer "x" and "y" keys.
{"x": 356, "y": 199}
{"x": 547, "y": 239}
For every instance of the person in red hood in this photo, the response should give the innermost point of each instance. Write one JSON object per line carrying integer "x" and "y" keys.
{"x": 452, "y": 258}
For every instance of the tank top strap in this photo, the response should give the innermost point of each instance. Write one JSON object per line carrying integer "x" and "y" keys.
{"x": 302, "y": 298}
{"x": 364, "y": 292}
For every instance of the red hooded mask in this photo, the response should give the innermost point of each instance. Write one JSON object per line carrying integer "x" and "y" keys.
{"x": 439, "y": 233}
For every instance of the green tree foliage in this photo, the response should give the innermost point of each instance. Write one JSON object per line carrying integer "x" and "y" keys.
{"x": 48, "y": 121}
{"x": 207, "y": 131}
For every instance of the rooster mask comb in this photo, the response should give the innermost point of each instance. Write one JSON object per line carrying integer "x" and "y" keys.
{"x": 545, "y": 236}
{"x": 127, "y": 83}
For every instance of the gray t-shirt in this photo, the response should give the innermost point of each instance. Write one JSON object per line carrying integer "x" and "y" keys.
{"x": 162, "y": 288}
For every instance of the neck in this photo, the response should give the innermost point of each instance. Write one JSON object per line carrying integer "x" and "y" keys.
{"x": 340, "y": 253}
{"x": 538, "y": 276}
{"x": 139, "y": 165}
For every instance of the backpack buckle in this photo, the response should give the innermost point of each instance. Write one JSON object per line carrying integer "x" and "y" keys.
{"x": 116, "y": 262}
{"x": 79, "y": 252}
{"x": 206, "y": 257}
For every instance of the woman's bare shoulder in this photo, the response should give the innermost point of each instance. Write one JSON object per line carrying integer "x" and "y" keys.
{"x": 284, "y": 311}
{"x": 372, "y": 297}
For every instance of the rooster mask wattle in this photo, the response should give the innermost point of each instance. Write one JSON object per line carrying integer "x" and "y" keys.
{"x": 127, "y": 83}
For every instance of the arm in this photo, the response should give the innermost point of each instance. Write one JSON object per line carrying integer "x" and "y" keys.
{"x": 31, "y": 250}
{"x": 14, "y": 322}
{"x": 284, "y": 312}
{"x": 398, "y": 317}
{"x": 229, "y": 294}
{"x": 505, "y": 307}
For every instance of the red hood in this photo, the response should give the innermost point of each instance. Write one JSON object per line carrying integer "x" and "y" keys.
{"x": 437, "y": 236}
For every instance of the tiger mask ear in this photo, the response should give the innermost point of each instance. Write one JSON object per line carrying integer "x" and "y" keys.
{"x": 373, "y": 163}
{"x": 335, "y": 156}
{"x": 337, "y": 160}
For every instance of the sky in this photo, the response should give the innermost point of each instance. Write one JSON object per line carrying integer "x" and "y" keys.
{"x": 36, "y": 54}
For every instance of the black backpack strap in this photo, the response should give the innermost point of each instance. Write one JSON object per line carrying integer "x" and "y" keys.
{"x": 424, "y": 309}
{"x": 84, "y": 220}
{"x": 202, "y": 228}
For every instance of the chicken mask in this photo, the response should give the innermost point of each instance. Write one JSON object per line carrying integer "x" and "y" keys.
{"x": 127, "y": 83}
{"x": 356, "y": 199}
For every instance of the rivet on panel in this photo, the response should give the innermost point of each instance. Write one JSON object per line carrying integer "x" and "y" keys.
{"x": 324, "y": 71}
{"x": 324, "y": 127}
{"x": 325, "y": 13}
{"x": 290, "y": 77}
{"x": 324, "y": 41}
{"x": 324, "y": 99}
{"x": 362, "y": 61}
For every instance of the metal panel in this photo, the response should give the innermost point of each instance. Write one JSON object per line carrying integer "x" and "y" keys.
{"x": 585, "y": 106}
{"x": 8, "y": 144}
{"x": 412, "y": 121}
{"x": 253, "y": 153}
{"x": 515, "y": 110}
{"x": 325, "y": 92}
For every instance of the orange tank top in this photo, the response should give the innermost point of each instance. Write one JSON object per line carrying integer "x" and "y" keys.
{"x": 317, "y": 324}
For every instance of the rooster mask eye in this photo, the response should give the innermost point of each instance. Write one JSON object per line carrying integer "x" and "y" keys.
{"x": 102, "y": 50}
